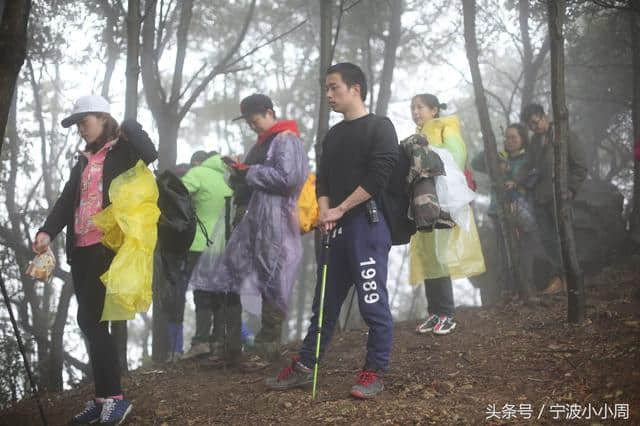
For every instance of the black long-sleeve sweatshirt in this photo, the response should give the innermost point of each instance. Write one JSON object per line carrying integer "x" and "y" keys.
{"x": 360, "y": 152}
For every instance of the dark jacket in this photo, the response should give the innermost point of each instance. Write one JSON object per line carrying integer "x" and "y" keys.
{"x": 123, "y": 155}
{"x": 360, "y": 152}
{"x": 538, "y": 172}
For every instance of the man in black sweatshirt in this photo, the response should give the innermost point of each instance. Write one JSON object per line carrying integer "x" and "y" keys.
{"x": 358, "y": 156}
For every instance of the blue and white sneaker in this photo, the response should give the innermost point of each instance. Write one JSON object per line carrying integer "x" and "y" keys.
{"x": 445, "y": 325}
{"x": 427, "y": 325}
{"x": 88, "y": 416}
{"x": 114, "y": 411}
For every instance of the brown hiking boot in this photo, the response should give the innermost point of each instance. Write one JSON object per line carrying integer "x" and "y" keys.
{"x": 556, "y": 286}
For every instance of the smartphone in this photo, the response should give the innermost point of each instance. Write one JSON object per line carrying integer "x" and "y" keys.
{"x": 228, "y": 160}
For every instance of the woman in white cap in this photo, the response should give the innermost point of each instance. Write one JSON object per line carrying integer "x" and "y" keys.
{"x": 110, "y": 150}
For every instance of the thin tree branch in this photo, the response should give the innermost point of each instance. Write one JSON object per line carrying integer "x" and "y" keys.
{"x": 266, "y": 43}
{"x": 220, "y": 66}
{"x": 192, "y": 79}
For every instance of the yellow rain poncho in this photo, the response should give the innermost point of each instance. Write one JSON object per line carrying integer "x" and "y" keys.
{"x": 446, "y": 252}
{"x": 129, "y": 226}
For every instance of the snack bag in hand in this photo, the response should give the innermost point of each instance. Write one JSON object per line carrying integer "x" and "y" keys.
{"x": 42, "y": 266}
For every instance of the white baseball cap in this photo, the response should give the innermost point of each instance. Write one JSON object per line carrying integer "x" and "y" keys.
{"x": 85, "y": 105}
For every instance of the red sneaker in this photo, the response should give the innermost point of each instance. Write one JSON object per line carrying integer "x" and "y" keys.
{"x": 368, "y": 385}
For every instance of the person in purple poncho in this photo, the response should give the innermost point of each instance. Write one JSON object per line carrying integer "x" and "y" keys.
{"x": 265, "y": 249}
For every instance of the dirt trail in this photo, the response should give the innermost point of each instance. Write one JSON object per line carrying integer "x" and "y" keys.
{"x": 501, "y": 365}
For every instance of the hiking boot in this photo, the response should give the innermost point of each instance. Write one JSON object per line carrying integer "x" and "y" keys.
{"x": 444, "y": 326}
{"x": 216, "y": 350}
{"x": 88, "y": 416}
{"x": 556, "y": 286}
{"x": 368, "y": 385}
{"x": 295, "y": 375}
{"x": 427, "y": 326}
{"x": 197, "y": 350}
{"x": 114, "y": 411}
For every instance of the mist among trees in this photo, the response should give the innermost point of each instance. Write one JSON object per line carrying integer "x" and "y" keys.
{"x": 182, "y": 67}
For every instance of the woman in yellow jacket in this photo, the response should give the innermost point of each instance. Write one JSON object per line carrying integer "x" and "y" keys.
{"x": 437, "y": 257}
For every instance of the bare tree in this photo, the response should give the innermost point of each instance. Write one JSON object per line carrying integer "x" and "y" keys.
{"x": 635, "y": 111}
{"x": 488, "y": 137}
{"x": 170, "y": 109}
{"x": 133, "y": 59}
{"x": 112, "y": 12}
{"x": 35, "y": 309}
{"x": 326, "y": 56}
{"x": 531, "y": 61}
{"x": 391, "y": 43}
{"x": 13, "y": 49}
{"x": 575, "y": 286}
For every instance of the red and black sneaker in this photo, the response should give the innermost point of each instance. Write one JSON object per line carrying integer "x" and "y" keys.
{"x": 368, "y": 385}
{"x": 296, "y": 375}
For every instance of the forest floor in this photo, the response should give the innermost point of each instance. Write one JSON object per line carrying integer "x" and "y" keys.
{"x": 506, "y": 364}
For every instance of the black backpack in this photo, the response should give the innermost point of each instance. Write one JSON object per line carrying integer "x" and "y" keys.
{"x": 394, "y": 199}
{"x": 395, "y": 202}
{"x": 178, "y": 220}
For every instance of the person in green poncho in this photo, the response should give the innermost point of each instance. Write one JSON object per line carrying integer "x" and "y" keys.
{"x": 207, "y": 187}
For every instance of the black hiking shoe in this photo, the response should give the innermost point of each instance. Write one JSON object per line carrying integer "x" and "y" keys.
{"x": 368, "y": 385}
{"x": 295, "y": 375}
{"x": 88, "y": 416}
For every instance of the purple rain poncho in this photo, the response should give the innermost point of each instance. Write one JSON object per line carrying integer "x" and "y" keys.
{"x": 264, "y": 250}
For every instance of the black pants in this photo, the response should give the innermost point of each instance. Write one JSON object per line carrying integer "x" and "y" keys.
{"x": 546, "y": 222}
{"x": 88, "y": 264}
{"x": 530, "y": 252}
{"x": 439, "y": 293}
{"x": 226, "y": 310}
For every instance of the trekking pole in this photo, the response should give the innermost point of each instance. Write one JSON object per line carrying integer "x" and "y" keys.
{"x": 325, "y": 265}
{"x": 227, "y": 236}
{"x": 25, "y": 360}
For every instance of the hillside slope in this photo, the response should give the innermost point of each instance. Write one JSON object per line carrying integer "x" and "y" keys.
{"x": 504, "y": 363}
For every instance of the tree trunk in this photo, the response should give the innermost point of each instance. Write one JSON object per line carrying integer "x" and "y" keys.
{"x": 635, "y": 111}
{"x": 38, "y": 325}
{"x": 531, "y": 63}
{"x": 326, "y": 53}
{"x": 164, "y": 112}
{"x": 326, "y": 26}
{"x": 13, "y": 50}
{"x": 133, "y": 59}
{"x": 113, "y": 50}
{"x": 390, "y": 48}
{"x": 42, "y": 132}
{"x": 488, "y": 137}
{"x": 159, "y": 329}
{"x": 575, "y": 286}
{"x": 168, "y": 127}
{"x": 529, "y": 73}
{"x": 56, "y": 352}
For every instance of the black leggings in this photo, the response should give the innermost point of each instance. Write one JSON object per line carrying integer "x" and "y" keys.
{"x": 439, "y": 292}
{"x": 88, "y": 264}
